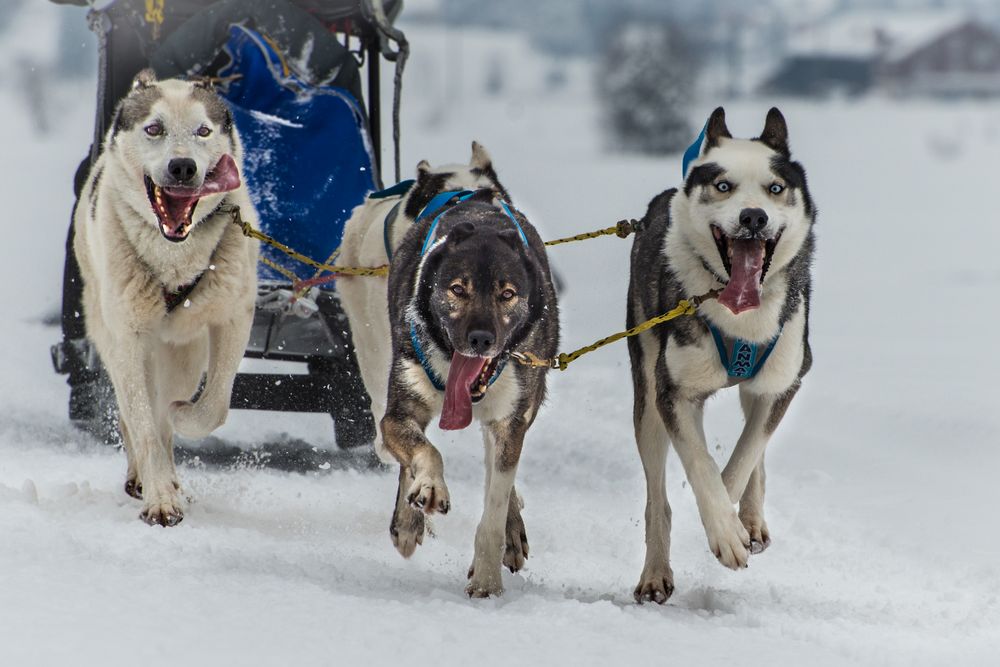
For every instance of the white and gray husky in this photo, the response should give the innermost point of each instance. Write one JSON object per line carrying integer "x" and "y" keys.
{"x": 169, "y": 282}
{"x": 742, "y": 226}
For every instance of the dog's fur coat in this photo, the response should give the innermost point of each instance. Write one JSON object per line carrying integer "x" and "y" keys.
{"x": 147, "y": 226}
{"x": 737, "y": 192}
{"x": 477, "y": 278}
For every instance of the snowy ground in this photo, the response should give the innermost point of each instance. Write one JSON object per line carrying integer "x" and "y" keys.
{"x": 880, "y": 481}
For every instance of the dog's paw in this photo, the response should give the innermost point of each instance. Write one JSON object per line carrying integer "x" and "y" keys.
{"x": 429, "y": 493}
{"x": 406, "y": 530}
{"x": 484, "y": 584}
{"x": 656, "y": 584}
{"x": 162, "y": 514}
{"x": 728, "y": 540}
{"x": 193, "y": 420}
{"x": 516, "y": 551}
{"x": 133, "y": 488}
{"x": 760, "y": 537}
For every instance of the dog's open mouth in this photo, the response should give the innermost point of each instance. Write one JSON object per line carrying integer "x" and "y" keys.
{"x": 746, "y": 261}
{"x": 468, "y": 380}
{"x": 174, "y": 205}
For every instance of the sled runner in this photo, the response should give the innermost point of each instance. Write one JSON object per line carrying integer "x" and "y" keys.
{"x": 292, "y": 74}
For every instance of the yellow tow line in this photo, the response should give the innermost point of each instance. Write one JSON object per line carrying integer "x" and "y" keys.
{"x": 561, "y": 361}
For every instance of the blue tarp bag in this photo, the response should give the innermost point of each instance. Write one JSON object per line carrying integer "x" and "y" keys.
{"x": 308, "y": 158}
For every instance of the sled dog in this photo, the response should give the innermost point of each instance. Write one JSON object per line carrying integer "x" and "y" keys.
{"x": 169, "y": 282}
{"x": 743, "y": 225}
{"x": 469, "y": 283}
{"x": 371, "y": 235}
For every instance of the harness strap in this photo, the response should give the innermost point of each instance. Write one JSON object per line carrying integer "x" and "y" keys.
{"x": 438, "y": 203}
{"x": 746, "y": 359}
{"x": 390, "y": 219}
{"x": 418, "y": 349}
{"x": 174, "y": 298}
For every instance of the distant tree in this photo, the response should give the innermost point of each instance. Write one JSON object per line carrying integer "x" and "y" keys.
{"x": 645, "y": 82}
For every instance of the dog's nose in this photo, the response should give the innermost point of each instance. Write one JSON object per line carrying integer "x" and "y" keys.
{"x": 480, "y": 341}
{"x": 753, "y": 219}
{"x": 182, "y": 169}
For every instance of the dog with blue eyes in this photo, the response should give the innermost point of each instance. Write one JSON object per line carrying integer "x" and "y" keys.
{"x": 739, "y": 235}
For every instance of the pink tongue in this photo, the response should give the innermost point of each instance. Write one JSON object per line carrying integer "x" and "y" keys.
{"x": 457, "y": 411}
{"x": 223, "y": 178}
{"x": 743, "y": 291}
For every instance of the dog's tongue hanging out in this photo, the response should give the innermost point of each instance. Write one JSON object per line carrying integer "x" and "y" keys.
{"x": 457, "y": 411}
{"x": 743, "y": 290}
{"x": 175, "y": 204}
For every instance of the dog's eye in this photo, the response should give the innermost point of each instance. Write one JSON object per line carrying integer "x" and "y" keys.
{"x": 508, "y": 294}
{"x": 154, "y": 129}
{"x": 723, "y": 186}
{"x": 776, "y": 188}
{"x": 457, "y": 290}
{"x": 204, "y": 131}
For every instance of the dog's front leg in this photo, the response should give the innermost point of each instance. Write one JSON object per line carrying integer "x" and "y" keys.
{"x": 744, "y": 474}
{"x": 226, "y": 345}
{"x": 504, "y": 441}
{"x": 727, "y": 538}
{"x": 128, "y": 365}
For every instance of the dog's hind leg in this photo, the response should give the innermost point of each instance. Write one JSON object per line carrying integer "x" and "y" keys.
{"x": 752, "y": 510}
{"x": 407, "y": 525}
{"x": 516, "y": 551}
{"x": 656, "y": 583}
{"x": 133, "y": 485}
{"x": 504, "y": 440}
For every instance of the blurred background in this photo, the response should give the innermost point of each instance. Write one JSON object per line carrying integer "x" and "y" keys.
{"x": 881, "y": 479}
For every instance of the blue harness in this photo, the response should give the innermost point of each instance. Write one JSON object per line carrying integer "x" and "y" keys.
{"x": 435, "y": 205}
{"x": 741, "y": 359}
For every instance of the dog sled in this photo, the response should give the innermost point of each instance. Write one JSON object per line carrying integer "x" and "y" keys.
{"x": 296, "y": 75}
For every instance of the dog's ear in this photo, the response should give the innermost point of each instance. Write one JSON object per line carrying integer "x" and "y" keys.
{"x": 775, "y": 134}
{"x": 422, "y": 168}
{"x": 460, "y": 232}
{"x": 716, "y": 128}
{"x": 144, "y": 79}
{"x": 511, "y": 237}
{"x": 480, "y": 157}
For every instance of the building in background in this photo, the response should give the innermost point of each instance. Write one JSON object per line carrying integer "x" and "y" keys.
{"x": 938, "y": 53}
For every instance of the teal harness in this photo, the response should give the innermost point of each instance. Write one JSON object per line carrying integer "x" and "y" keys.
{"x": 435, "y": 205}
{"x": 741, "y": 358}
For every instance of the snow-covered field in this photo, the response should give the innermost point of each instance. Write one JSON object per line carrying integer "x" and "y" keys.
{"x": 881, "y": 482}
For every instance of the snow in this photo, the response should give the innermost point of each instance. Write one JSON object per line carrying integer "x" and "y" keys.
{"x": 881, "y": 492}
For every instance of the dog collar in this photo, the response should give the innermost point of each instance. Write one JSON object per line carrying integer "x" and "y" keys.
{"x": 174, "y": 298}
{"x": 432, "y": 375}
{"x": 741, "y": 358}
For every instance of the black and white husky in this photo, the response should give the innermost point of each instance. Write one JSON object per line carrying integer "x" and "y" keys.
{"x": 469, "y": 283}
{"x": 169, "y": 282}
{"x": 742, "y": 225}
